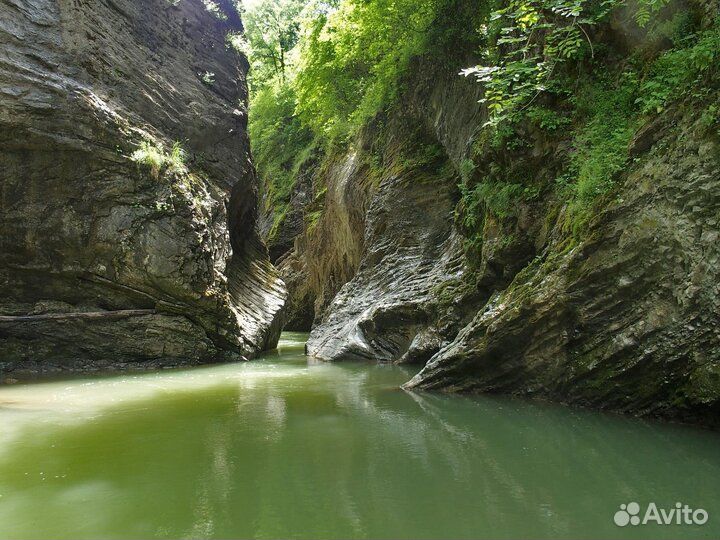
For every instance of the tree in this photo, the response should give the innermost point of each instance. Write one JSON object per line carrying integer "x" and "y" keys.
{"x": 354, "y": 56}
{"x": 272, "y": 29}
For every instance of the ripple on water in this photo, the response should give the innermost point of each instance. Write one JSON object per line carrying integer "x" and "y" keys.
{"x": 285, "y": 447}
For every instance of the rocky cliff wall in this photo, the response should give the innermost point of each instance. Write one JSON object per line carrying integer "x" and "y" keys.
{"x": 411, "y": 250}
{"x": 110, "y": 257}
{"x": 621, "y": 317}
{"x": 383, "y": 274}
{"x": 626, "y": 320}
{"x": 327, "y": 253}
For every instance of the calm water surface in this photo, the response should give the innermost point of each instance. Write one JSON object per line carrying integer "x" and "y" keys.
{"x": 284, "y": 448}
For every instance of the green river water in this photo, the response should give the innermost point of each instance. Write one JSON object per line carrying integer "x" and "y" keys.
{"x": 288, "y": 448}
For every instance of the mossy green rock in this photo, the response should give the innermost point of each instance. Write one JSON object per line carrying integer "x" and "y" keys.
{"x": 629, "y": 318}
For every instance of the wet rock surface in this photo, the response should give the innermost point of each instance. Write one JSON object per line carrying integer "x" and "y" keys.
{"x": 411, "y": 253}
{"x": 328, "y": 252}
{"x": 169, "y": 256}
{"x": 624, "y": 318}
{"x": 627, "y": 319}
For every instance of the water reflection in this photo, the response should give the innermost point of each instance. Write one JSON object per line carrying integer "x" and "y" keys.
{"x": 285, "y": 449}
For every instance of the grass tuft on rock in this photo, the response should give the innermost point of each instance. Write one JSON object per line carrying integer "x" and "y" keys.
{"x": 153, "y": 156}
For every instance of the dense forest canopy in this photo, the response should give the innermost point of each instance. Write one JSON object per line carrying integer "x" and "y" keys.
{"x": 322, "y": 70}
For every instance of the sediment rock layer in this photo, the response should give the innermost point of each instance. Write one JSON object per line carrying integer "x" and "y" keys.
{"x": 164, "y": 254}
{"x": 623, "y": 316}
{"x": 327, "y": 254}
{"x": 411, "y": 253}
{"x": 629, "y": 319}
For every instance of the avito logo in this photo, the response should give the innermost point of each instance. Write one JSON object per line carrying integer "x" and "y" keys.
{"x": 681, "y": 514}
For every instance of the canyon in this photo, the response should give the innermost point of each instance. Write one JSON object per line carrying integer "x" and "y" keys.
{"x": 110, "y": 261}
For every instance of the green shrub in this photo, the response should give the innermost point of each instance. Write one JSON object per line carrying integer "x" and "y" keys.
{"x": 610, "y": 112}
{"x": 154, "y": 156}
{"x": 607, "y": 122}
{"x": 497, "y": 197}
{"x": 547, "y": 119}
{"x": 681, "y": 70}
{"x": 467, "y": 167}
{"x": 208, "y": 78}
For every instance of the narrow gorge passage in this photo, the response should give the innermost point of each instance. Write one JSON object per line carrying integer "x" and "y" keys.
{"x": 206, "y": 182}
{"x": 432, "y": 203}
{"x": 364, "y": 269}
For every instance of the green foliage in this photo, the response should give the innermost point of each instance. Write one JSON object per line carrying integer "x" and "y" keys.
{"x": 646, "y": 9}
{"x": 529, "y": 41}
{"x": 681, "y": 70}
{"x": 600, "y": 144}
{"x": 467, "y": 167}
{"x": 281, "y": 143}
{"x": 312, "y": 219}
{"x": 272, "y": 30}
{"x": 491, "y": 196}
{"x": 154, "y": 156}
{"x": 596, "y": 106}
{"x": 611, "y": 111}
{"x": 499, "y": 198}
{"x": 208, "y": 78}
{"x": 526, "y": 40}
{"x": 547, "y": 119}
{"x": 424, "y": 156}
{"x": 710, "y": 117}
{"x": 280, "y": 210}
{"x": 337, "y": 69}
{"x": 601, "y": 154}
{"x": 354, "y": 57}
{"x": 547, "y": 84}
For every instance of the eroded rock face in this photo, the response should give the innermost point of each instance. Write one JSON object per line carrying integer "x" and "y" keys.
{"x": 624, "y": 318}
{"x": 280, "y": 237}
{"x": 629, "y": 319}
{"x": 167, "y": 259}
{"x": 412, "y": 256}
{"x": 410, "y": 253}
{"x": 328, "y": 252}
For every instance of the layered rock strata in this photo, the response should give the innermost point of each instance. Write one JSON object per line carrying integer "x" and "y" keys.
{"x": 128, "y": 199}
